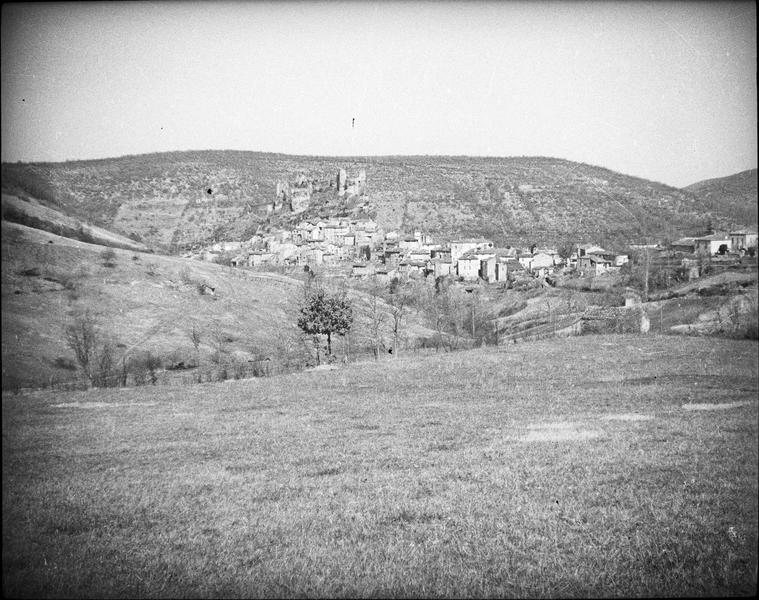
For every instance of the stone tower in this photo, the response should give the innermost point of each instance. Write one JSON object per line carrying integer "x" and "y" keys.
{"x": 342, "y": 182}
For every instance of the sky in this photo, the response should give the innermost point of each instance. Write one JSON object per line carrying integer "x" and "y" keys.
{"x": 666, "y": 91}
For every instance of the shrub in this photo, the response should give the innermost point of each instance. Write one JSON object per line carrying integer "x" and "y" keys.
{"x": 144, "y": 367}
{"x": 185, "y": 276}
{"x": 63, "y": 362}
{"x": 108, "y": 256}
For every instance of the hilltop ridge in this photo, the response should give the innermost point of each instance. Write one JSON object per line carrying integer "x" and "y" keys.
{"x": 177, "y": 200}
{"x": 735, "y": 194}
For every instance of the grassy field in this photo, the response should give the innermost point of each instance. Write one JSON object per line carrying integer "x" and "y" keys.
{"x": 590, "y": 466}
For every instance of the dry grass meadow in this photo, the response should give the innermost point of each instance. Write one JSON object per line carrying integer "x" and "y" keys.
{"x": 594, "y": 466}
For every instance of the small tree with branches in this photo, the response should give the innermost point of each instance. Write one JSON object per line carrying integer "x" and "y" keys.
{"x": 325, "y": 314}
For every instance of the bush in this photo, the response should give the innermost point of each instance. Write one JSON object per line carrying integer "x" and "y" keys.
{"x": 144, "y": 367}
{"x": 108, "y": 256}
{"x": 63, "y": 362}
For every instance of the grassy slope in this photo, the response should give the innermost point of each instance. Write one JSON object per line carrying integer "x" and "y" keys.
{"x": 429, "y": 478}
{"x": 145, "y": 302}
{"x": 48, "y": 219}
{"x": 164, "y": 198}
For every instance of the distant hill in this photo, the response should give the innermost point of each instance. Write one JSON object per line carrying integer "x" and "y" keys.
{"x": 730, "y": 198}
{"x": 173, "y": 201}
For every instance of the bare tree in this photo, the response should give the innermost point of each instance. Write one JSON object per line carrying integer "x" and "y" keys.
{"x": 82, "y": 339}
{"x": 377, "y": 316}
{"x": 399, "y": 301}
{"x": 195, "y": 338}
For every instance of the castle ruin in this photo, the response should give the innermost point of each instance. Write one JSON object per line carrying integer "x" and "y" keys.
{"x": 295, "y": 196}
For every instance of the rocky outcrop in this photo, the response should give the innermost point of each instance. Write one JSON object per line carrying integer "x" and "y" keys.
{"x": 295, "y": 196}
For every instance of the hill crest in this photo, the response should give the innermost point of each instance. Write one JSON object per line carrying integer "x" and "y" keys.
{"x": 177, "y": 200}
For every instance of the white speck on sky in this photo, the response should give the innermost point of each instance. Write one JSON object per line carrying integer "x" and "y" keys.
{"x": 661, "y": 90}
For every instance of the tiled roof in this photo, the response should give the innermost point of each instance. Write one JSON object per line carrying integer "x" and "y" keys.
{"x": 715, "y": 237}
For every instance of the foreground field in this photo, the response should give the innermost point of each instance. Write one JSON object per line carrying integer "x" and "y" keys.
{"x": 592, "y": 466}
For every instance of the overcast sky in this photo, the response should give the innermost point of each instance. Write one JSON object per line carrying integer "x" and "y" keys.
{"x": 664, "y": 91}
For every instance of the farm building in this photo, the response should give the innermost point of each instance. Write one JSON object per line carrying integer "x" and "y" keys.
{"x": 488, "y": 268}
{"x": 259, "y": 257}
{"x": 468, "y": 267}
{"x": 441, "y": 267}
{"x": 541, "y": 264}
{"x": 593, "y": 263}
{"x": 717, "y": 243}
{"x": 743, "y": 240}
{"x": 686, "y": 244}
{"x": 586, "y": 249}
{"x": 460, "y": 247}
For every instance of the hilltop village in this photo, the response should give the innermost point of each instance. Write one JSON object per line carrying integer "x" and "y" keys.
{"x": 361, "y": 248}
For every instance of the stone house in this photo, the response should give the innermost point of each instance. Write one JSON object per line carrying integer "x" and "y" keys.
{"x": 584, "y": 249}
{"x": 717, "y": 243}
{"x": 743, "y": 240}
{"x": 441, "y": 267}
{"x": 311, "y": 255}
{"x": 468, "y": 266}
{"x": 488, "y": 268}
{"x": 593, "y": 264}
{"x": 410, "y": 267}
{"x": 409, "y": 243}
{"x": 441, "y": 253}
{"x": 502, "y": 270}
{"x": 686, "y": 245}
{"x": 460, "y": 247}
{"x": 260, "y": 257}
{"x": 541, "y": 264}
{"x": 615, "y": 260}
{"x": 391, "y": 257}
{"x": 420, "y": 254}
{"x": 335, "y": 233}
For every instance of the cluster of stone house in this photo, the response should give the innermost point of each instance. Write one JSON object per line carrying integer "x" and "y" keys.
{"x": 738, "y": 242}
{"x": 364, "y": 248}
{"x": 309, "y": 243}
{"x": 371, "y": 251}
